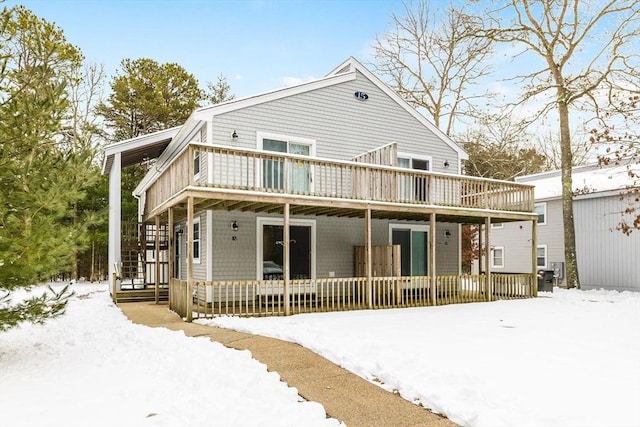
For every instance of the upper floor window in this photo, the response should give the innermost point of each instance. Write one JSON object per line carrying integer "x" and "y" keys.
{"x": 414, "y": 188}
{"x": 414, "y": 161}
{"x": 541, "y": 210}
{"x": 299, "y": 173}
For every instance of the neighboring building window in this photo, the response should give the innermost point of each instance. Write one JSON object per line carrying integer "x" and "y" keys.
{"x": 196, "y": 240}
{"x": 541, "y": 256}
{"x": 541, "y": 210}
{"x": 497, "y": 257}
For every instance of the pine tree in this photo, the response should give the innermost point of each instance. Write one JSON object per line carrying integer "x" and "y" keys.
{"x": 41, "y": 178}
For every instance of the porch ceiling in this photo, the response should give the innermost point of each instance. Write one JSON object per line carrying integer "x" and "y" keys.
{"x": 274, "y": 204}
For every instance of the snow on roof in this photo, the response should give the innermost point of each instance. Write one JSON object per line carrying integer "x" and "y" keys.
{"x": 586, "y": 180}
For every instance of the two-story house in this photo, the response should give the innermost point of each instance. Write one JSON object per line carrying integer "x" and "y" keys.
{"x": 332, "y": 194}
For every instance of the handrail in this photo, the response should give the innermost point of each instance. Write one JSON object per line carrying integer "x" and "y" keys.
{"x": 270, "y": 172}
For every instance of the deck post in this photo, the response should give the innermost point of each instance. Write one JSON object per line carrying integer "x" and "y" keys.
{"x": 189, "y": 256}
{"x": 170, "y": 245}
{"x": 157, "y": 259}
{"x": 432, "y": 257}
{"x": 285, "y": 256}
{"x": 487, "y": 258}
{"x": 534, "y": 257}
{"x": 368, "y": 258}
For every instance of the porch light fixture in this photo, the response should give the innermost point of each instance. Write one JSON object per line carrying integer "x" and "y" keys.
{"x": 234, "y": 226}
{"x": 447, "y": 233}
{"x": 234, "y": 136}
{"x": 446, "y": 163}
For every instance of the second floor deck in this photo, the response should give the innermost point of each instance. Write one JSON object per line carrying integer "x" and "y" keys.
{"x": 234, "y": 178}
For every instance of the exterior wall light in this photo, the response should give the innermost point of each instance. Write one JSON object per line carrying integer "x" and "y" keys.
{"x": 234, "y": 136}
{"x": 234, "y": 226}
{"x": 446, "y": 163}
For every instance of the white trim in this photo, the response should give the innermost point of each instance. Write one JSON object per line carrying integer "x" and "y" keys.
{"x": 261, "y": 136}
{"x": 206, "y": 113}
{"x": 411, "y": 156}
{"x": 260, "y": 221}
{"x": 493, "y": 249}
{"x": 497, "y": 225}
{"x": 412, "y": 228}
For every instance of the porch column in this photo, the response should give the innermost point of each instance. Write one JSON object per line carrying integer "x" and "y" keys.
{"x": 157, "y": 259}
{"x": 368, "y": 258}
{"x": 487, "y": 258}
{"x": 534, "y": 257}
{"x": 432, "y": 257}
{"x": 115, "y": 208}
{"x": 189, "y": 257}
{"x": 170, "y": 250}
{"x": 285, "y": 256}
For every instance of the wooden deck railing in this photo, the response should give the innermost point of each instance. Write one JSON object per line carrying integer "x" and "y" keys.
{"x": 267, "y": 172}
{"x": 266, "y": 297}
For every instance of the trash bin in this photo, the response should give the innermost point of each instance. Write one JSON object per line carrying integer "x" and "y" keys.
{"x": 545, "y": 280}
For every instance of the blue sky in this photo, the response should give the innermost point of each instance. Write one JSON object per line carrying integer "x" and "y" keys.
{"x": 258, "y": 44}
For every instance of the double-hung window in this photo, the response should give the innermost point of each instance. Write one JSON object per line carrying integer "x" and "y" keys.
{"x": 497, "y": 257}
{"x": 541, "y": 256}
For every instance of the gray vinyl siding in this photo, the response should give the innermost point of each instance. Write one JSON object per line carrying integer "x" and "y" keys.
{"x": 334, "y": 249}
{"x": 199, "y": 269}
{"x": 341, "y": 125}
{"x": 606, "y": 257}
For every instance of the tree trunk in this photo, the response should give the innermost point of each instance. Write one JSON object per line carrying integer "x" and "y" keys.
{"x": 571, "y": 264}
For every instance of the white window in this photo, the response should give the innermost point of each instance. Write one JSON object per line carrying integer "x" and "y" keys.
{"x": 299, "y": 179}
{"x": 497, "y": 257}
{"x": 196, "y": 240}
{"x": 497, "y": 225}
{"x": 414, "y": 161}
{"x": 414, "y": 188}
{"x": 541, "y": 256}
{"x": 541, "y": 210}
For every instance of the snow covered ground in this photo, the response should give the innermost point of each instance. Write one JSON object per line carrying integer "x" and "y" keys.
{"x": 568, "y": 358}
{"x": 571, "y": 358}
{"x": 93, "y": 367}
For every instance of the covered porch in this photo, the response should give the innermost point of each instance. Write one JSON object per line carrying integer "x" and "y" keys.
{"x": 226, "y": 179}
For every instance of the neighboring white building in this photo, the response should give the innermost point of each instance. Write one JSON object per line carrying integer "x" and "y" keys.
{"x": 607, "y": 258}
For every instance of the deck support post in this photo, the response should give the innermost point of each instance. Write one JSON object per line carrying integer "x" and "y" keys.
{"x": 432, "y": 258}
{"x": 189, "y": 257}
{"x": 286, "y": 237}
{"x": 157, "y": 259}
{"x": 487, "y": 258}
{"x": 534, "y": 257}
{"x": 368, "y": 258}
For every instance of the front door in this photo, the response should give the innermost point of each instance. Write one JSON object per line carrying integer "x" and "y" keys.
{"x": 299, "y": 252}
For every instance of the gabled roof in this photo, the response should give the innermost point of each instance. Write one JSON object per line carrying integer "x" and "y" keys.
{"x": 345, "y": 72}
{"x": 353, "y": 64}
{"x": 587, "y": 180}
{"x": 135, "y": 150}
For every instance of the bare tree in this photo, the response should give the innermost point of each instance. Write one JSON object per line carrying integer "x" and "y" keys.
{"x": 584, "y": 48}
{"x": 433, "y": 59}
{"x": 549, "y": 146}
{"x": 498, "y": 148}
